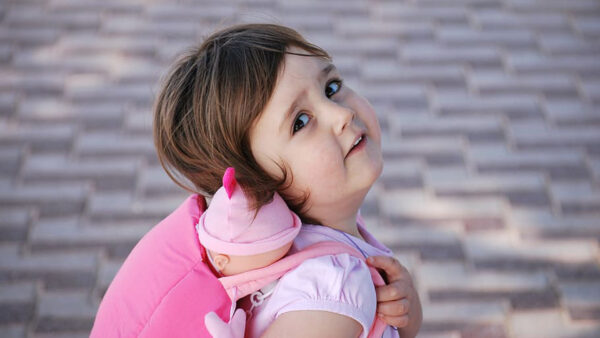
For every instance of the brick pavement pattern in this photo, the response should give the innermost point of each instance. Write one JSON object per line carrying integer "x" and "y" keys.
{"x": 490, "y": 111}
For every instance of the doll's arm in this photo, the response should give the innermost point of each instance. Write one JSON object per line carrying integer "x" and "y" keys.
{"x": 219, "y": 329}
{"x": 398, "y": 301}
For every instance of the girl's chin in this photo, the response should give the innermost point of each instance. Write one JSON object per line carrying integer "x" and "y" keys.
{"x": 375, "y": 169}
{"x": 368, "y": 178}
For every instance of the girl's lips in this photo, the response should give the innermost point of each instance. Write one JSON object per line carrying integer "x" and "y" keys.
{"x": 361, "y": 145}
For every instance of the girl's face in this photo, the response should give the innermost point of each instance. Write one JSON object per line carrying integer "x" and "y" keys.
{"x": 327, "y": 135}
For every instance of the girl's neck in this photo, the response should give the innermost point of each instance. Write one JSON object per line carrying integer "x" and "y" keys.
{"x": 348, "y": 226}
{"x": 340, "y": 214}
{"x": 342, "y": 221}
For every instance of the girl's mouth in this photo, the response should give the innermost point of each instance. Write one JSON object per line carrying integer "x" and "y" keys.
{"x": 359, "y": 145}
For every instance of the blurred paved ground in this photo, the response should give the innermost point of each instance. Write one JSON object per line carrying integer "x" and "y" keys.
{"x": 491, "y": 116}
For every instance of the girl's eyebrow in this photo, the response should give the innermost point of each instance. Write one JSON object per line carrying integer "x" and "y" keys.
{"x": 323, "y": 73}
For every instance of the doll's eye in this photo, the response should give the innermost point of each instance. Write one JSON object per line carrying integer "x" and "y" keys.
{"x": 300, "y": 122}
{"x": 333, "y": 87}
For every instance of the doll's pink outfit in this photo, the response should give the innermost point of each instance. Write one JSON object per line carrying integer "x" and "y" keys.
{"x": 229, "y": 226}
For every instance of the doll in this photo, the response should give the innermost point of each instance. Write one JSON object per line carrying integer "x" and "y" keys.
{"x": 238, "y": 239}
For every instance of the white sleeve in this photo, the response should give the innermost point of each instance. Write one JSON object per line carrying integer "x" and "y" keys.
{"x": 341, "y": 284}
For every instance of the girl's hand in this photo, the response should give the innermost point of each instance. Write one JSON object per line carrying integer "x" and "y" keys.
{"x": 398, "y": 302}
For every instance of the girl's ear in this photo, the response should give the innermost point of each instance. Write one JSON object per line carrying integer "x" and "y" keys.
{"x": 221, "y": 261}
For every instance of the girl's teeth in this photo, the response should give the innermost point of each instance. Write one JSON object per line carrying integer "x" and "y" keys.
{"x": 358, "y": 141}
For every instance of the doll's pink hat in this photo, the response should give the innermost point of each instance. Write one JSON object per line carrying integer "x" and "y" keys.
{"x": 228, "y": 226}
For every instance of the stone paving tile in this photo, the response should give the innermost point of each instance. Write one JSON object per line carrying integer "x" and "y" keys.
{"x": 536, "y": 63}
{"x": 13, "y": 331}
{"x": 426, "y": 54}
{"x": 516, "y": 106}
{"x": 59, "y": 234}
{"x": 154, "y": 183}
{"x": 14, "y": 224}
{"x": 582, "y": 299}
{"x": 566, "y": 43}
{"x": 491, "y": 246}
{"x": 17, "y": 302}
{"x": 377, "y": 72}
{"x": 471, "y": 319}
{"x": 490, "y": 114}
{"x": 544, "y": 224}
{"x": 64, "y": 311}
{"x": 555, "y": 325}
{"x": 117, "y": 174}
{"x": 38, "y": 138}
{"x": 58, "y": 270}
{"x": 475, "y": 129}
{"x": 49, "y": 199}
{"x": 51, "y": 110}
{"x": 106, "y": 272}
{"x": 494, "y": 82}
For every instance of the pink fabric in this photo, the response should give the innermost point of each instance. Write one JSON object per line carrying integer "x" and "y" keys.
{"x": 164, "y": 287}
{"x": 230, "y": 227}
{"x": 340, "y": 284}
{"x": 220, "y": 329}
{"x": 241, "y": 285}
{"x": 229, "y": 181}
{"x": 163, "y": 284}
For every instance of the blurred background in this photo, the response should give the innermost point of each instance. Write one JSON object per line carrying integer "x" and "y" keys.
{"x": 490, "y": 111}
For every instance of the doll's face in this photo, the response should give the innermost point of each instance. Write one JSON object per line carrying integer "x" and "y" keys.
{"x": 231, "y": 265}
{"x": 327, "y": 134}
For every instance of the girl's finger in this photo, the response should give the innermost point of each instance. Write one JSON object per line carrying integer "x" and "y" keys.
{"x": 394, "y": 308}
{"x": 391, "y": 266}
{"x": 394, "y": 291}
{"x": 399, "y": 322}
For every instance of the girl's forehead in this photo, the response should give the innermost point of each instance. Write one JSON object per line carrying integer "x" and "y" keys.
{"x": 302, "y": 66}
{"x": 300, "y": 73}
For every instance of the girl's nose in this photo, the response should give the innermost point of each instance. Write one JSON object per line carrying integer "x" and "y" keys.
{"x": 340, "y": 116}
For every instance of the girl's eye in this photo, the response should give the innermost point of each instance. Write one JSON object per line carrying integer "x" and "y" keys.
{"x": 333, "y": 87}
{"x": 301, "y": 122}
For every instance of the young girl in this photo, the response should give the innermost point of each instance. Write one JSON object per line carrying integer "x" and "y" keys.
{"x": 262, "y": 99}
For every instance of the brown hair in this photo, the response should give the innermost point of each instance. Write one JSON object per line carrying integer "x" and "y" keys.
{"x": 209, "y": 101}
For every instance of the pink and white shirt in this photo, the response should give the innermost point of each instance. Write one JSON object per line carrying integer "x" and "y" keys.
{"x": 341, "y": 284}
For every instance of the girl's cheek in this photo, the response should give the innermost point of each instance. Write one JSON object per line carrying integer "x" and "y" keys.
{"x": 311, "y": 155}
{"x": 370, "y": 119}
{"x": 323, "y": 164}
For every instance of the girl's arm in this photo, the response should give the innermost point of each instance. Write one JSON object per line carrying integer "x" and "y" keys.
{"x": 313, "y": 324}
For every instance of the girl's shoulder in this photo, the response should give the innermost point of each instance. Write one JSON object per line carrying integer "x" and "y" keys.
{"x": 340, "y": 284}
{"x": 331, "y": 283}
{"x": 368, "y": 245}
